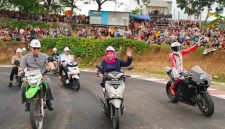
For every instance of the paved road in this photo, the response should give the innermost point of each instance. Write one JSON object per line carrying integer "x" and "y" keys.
{"x": 146, "y": 107}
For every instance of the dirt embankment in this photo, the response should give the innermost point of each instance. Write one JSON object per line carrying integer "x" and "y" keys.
{"x": 7, "y": 50}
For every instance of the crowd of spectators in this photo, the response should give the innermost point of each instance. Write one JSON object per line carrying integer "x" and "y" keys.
{"x": 185, "y": 33}
{"x": 80, "y": 19}
{"x": 29, "y": 33}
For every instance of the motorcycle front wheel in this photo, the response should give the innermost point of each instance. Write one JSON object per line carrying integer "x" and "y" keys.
{"x": 76, "y": 84}
{"x": 36, "y": 116}
{"x": 205, "y": 104}
{"x": 171, "y": 97}
{"x": 115, "y": 119}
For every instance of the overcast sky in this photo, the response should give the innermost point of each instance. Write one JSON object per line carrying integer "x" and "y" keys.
{"x": 130, "y": 5}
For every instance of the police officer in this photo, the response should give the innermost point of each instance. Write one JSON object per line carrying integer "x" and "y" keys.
{"x": 37, "y": 60}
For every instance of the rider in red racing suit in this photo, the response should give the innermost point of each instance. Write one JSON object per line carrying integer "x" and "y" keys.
{"x": 177, "y": 62}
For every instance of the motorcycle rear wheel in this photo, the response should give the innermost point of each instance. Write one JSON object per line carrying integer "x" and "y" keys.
{"x": 205, "y": 104}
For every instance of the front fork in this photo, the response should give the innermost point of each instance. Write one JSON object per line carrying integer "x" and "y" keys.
{"x": 41, "y": 95}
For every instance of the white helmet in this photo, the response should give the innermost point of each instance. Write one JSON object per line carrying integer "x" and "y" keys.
{"x": 35, "y": 43}
{"x": 176, "y": 47}
{"x": 66, "y": 49}
{"x": 24, "y": 49}
{"x": 54, "y": 49}
{"x": 110, "y": 48}
{"x": 18, "y": 50}
{"x": 187, "y": 38}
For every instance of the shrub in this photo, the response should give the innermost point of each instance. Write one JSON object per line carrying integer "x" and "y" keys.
{"x": 89, "y": 49}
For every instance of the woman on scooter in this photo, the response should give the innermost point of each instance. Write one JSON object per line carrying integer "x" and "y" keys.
{"x": 111, "y": 63}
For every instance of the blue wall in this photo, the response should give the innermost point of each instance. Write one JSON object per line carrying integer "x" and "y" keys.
{"x": 105, "y": 18}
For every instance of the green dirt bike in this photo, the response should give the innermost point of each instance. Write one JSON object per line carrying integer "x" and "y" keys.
{"x": 36, "y": 93}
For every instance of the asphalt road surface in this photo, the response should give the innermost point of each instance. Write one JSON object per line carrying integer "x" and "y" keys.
{"x": 146, "y": 107}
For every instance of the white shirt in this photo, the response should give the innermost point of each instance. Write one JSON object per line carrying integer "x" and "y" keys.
{"x": 68, "y": 59}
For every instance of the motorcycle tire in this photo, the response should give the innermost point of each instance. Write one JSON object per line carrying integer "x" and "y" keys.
{"x": 205, "y": 104}
{"x": 115, "y": 119}
{"x": 35, "y": 109}
{"x": 76, "y": 84}
{"x": 171, "y": 97}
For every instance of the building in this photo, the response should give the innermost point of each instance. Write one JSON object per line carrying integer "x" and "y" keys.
{"x": 158, "y": 8}
{"x": 113, "y": 18}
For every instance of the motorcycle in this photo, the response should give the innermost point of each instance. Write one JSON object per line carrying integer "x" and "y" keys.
{"x": 192, "y": 90}
{"x": 113, "y": 96}
{"x": 73, "y": 76}
{"x": 35, "y": 93}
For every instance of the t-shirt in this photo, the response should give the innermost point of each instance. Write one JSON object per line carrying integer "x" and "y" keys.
{"x": 14, "y": 58}
{"x": 68, "y": 59}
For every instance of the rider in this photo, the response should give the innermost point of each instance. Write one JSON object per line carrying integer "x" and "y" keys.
{"x": 37, "y": 60}
{"x": 65, "y": 60}
{"x": 24, "y": 51}
{"x": 15, "y": 61}
{"x": 177, "y": 62}
{"x": 55, "y": 54}
{"x": 111, "y": 63}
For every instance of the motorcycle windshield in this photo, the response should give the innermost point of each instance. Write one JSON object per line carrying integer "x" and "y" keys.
{"x": 200, "y": 76}
{"x": 114, "y": 75}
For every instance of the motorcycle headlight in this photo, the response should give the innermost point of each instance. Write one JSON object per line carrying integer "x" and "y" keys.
{"x": 33, "y": 82}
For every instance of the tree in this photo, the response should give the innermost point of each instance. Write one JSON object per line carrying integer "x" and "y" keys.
{"x": 143, "y": 2}
{"x": 101, "y": 2}
{"x": 4, "y": 4}
{"x": 137, "y": 11}
{"x": 26, "y": 5}
{"x": 195, "y": 7}
{"x": 219, "y": 19}
{"x": 69, "y": 3}
{"x": 51, "y": 6}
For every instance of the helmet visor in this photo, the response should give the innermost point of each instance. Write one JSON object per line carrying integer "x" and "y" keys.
{"x": 176, "y": 49}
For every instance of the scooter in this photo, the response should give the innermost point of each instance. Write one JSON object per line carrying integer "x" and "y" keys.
{"x": 192, "y": 90}
{"x": 73, "y": 76}
{"x": 113, "y": 95}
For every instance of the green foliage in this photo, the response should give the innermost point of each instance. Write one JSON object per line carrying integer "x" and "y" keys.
{"x": 137, "y": 11}
{"x": 4, "y": 4}
{"x": 23, "y": 24}
{"x": 195, "y": 7}
{"x": 27, "y": 6}
{"x": 91, "y": 50}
